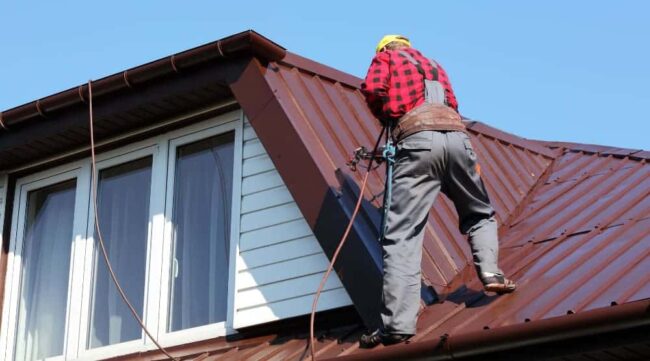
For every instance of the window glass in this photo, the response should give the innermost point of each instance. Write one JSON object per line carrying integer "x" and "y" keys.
{"x": 123, "y": 206}
{"x": 45, "y": 274}
{"x": 201, "y": 218}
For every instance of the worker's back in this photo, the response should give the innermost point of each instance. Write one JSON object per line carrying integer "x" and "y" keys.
{"x": 393, "y": 75}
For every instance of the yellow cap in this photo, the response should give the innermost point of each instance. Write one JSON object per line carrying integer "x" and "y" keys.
{"x": 390, "y": 38}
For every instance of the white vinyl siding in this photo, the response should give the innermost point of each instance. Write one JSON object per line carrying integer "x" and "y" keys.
{"x": 280, "y": 263}
{"x": 274, "y": 264}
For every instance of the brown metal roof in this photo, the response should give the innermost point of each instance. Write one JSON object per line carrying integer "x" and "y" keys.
{"x": 329, "y": 115}
{"x": 574, "y": 219}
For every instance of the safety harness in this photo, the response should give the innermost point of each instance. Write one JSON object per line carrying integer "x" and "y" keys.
{"x": 379, "y": 155}
{"x": 434, "y": 93}
{"x": 434, "y": 113}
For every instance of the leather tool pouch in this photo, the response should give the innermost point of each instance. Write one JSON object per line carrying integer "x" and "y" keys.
{"x": 428, "y": 117}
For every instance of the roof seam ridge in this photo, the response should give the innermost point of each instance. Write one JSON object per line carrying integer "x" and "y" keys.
{"x": 575, "y": 189}
{"x": 604, "y": 152}
{"x": 596, "y": 250}
{"x": 541, "y": 180}
{"x": 320, "y": 75}
{"x": 331, "y": 73}
{"x": 589, "y": 235}
{"x": 302, "y": 113}
{"x": 501, "y": 135}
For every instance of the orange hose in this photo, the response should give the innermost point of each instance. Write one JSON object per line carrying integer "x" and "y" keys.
{"x": 331, "y": 265}
{"x": 98, "y": 229}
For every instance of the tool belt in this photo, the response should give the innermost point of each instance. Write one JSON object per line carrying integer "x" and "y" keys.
{"x": 428, "y": 116}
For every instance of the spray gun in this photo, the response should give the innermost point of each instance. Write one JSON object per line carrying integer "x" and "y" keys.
{"x": 362, "y": 153}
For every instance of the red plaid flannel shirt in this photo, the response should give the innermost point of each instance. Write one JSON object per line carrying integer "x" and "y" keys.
{"x": 393, "y": 85}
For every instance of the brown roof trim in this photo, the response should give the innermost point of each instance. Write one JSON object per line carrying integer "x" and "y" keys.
{"x": 533, "y": 146}
{"x": 318, "y": 191}
{"x": 245, "y": 43}
{"x": 536, "y": 333}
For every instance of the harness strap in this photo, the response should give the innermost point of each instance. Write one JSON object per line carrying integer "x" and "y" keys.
{"x": 434, "y": 92}
{"x": 418, "y": 65}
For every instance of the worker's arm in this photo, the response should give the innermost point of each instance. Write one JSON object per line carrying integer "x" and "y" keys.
{"x": 375, "y": 86}
{"x": 443, "y": 78}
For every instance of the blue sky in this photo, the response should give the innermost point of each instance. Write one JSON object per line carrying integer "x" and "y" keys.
{"x": 553, "y": 70}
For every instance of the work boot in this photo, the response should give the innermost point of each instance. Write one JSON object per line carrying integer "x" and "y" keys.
{"x": 370, "y": 340}
{"x": 495, "y": 282}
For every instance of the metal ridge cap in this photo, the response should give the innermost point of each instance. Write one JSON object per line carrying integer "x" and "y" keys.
{"x": 548, "y": 148}
{"x": 597, "y": 149}
{"x": 485, "y": 129}
{"x": 449, "y": 347}
{"x": 532, "y": 145}
{"x": 244, "y": 43}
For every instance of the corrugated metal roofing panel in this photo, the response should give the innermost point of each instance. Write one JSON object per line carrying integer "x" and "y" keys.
{"x": 564, "y": 212}
{"x": 575, "y": 219}
{"x": 583, "y": 191}
{"x": 589, "y": 265}
{"x": 335, "y": 115}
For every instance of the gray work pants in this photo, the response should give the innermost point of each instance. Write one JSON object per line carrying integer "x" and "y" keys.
{"x": 426, "y": 163}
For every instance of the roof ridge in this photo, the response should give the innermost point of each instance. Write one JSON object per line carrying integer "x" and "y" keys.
{"x": 325, "y": 71}
{"x": 530, "y": 195}
{"x": 599, "y": 150}
{"x": 320, "y": 69}
{"x": 492, "y": 132}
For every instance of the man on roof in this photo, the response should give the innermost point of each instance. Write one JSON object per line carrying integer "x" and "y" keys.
{"x": 413, "y": 95}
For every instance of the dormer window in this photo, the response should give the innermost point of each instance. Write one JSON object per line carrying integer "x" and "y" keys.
{"x": 203, "y": 235}
{"x": 165, "y": 208}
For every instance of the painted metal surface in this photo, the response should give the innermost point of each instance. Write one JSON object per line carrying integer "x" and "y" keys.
{"x": 329, "y": 111}
{"x": 325, "y": 197}
{"x": 575, "y": 219}
{"x": 575, "y": 223}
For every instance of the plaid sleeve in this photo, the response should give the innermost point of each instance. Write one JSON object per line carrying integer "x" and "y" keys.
{"x": 375, "y": 86}
{"x": 446, "y": 84}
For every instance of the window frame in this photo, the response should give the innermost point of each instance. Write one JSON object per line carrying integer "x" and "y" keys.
{"x": 162, "y": 149}
{"x": 104, "y": 161}
{"x": 13, "y": 278}
{"x": 216, "y": 329}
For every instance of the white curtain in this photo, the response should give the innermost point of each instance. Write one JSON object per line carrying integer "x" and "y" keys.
{"x": 124, "y": 217}
{"x": 46, "y": 264}
{"x": 202, "y": 203}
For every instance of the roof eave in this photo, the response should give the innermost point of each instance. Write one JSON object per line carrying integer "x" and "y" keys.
{"x": 540, "y": 333}
{"x": 247, "y": 43}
